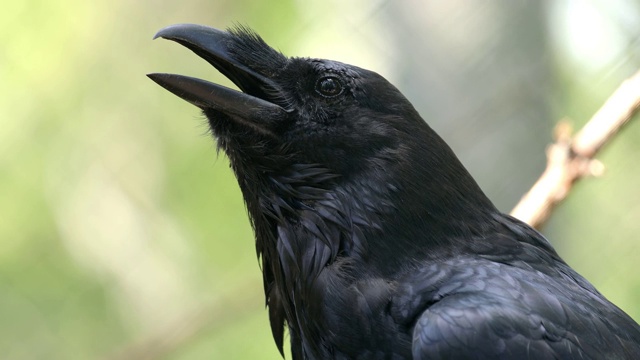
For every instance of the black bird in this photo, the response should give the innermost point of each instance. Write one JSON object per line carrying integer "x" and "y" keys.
{"x": 375, "y": 241}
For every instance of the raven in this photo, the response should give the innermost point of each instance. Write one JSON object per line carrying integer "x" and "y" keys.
{"x": 375, "y": 241}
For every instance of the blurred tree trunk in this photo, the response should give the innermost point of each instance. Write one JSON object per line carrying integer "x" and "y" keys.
{"x": 480, "y": 74}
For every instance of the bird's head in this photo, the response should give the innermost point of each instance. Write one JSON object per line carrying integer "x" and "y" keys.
{"x": 320, "y": 124}
{"x": 315, "y": 111}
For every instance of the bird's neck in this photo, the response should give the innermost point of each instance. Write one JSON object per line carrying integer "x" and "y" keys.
{"x": 308, "y": 220}
{"x": 309, "y": 217}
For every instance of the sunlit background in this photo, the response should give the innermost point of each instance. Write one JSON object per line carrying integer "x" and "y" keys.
{"x": 123, "y": 235}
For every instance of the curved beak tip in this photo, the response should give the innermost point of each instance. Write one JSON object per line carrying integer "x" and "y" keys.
{"x": 162, "y": 32}
{"x": 171, "y": 30}
{"x": 189, "y": 32}
{"x": 166, "y": 30}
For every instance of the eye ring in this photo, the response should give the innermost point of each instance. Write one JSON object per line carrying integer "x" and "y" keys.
{"x": 329, "y": 86}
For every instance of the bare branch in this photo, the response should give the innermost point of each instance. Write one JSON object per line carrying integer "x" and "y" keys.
{"x": 570, "y": 159}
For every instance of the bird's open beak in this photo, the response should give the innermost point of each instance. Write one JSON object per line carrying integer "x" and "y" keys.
{"x": 251, "y": 108}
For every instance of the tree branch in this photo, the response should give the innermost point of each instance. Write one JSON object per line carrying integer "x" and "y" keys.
{"x": 569, "y": 159}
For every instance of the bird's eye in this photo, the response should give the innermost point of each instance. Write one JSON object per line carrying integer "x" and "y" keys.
{"x": 329, "y": 86}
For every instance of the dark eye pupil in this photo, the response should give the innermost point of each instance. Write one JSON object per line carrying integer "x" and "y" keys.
{"x": 329, "y": 86}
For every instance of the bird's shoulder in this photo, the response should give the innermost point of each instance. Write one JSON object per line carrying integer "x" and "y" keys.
{"x": 510, "y": 298}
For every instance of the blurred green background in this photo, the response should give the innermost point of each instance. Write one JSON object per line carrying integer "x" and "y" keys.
{"x": 123, "y": 235}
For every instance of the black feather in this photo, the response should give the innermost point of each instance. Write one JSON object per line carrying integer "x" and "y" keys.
{"x": 375, "y": 241}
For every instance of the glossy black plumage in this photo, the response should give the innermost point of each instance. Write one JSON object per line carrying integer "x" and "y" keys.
{"x": 375, "y": 241}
